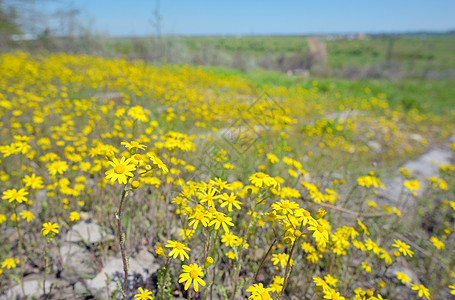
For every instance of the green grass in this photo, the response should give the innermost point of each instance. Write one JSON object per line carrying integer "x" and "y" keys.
{"x": 413, "y": 52}
{"x": 431, "y": 96}
{"x": 416, "y": 55}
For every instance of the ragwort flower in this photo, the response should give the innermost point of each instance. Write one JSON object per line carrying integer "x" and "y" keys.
{"x": 15, "y": 195}
{"x": 121, "y": 171}
{"x": 143, "y": 294}
{"x": 191, "y": 274}
{"x": 177, "y": 249}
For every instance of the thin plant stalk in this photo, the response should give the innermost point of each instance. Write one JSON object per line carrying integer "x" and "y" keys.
{"x": 164, "y": 277}
{"x": 118, "y": 216}
{"x": 287, "y": 272}
{"x": 20, "y": 250}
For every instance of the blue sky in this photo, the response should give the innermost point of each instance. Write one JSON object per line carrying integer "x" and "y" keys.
{"x": 235, "y": 17}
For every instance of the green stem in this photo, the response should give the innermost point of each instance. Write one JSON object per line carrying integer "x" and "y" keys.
{"x": 237, "y": 266}
{"x": 122, "y": 243}
{"x": 287, "y": 272}
{"x": 46, "y": 267}
{"x": 164, "y": 278}
{"x": 22, "y": 263}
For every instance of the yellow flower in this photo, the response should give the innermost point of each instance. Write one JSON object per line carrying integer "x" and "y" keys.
{"x": 313, "y": 257}
{"x": 412, "y": 185}
{"x": 28, "y": 215}
{"x": 385, "y": 256}
{"x": 229, "y": 238}
{"x": 230, "y": 255}
{"x": 177, "y": 249}
{"x": 304, "y": 217}
{"x": 363, "y": 227}
{"x": 366, "y": 267}
{"x": 2, "y": 218}
{"x": 208, "y": 195}
{"x": 35, "y": 182}
{"x": 261, "y": 179}
{"x": 281, "y": 259}
{"x": 320, "y": 234}
{"x": 437, "y": 243}
{"x": 10, "y": 263}
{"x": 121, "y": 170}
{"x": 284, "y": 207}
{"x": 59, "y": 167}
{"x": 143, "y": 295}
{"x": 422, "y": 290}
{"x": 277, "y": 284}
{"x": 191, "y": 274}
{"x": 133, "y": 145}
{"x": 229, "y": 201}
{"x": 138, "y": 113}
{"x": 320, "y": 282}
{"x": 158, "y": 162}
{"x": 452, "y": 286}
{"x": 403, "y": 278}
{"x": 369, "y": 181}
{"x": 403, "y": 248}
{"x": 74, "y": 216}
{"x": 199, "y": 216}
{"x": 331, "y": 280}
{"x": 372, "y": 246}
{"x": 15, "y": 195}
{"x": 332, "y": 294}
{"x": 258, "y": 292}
{"x": 221, "y": 219}
{"x": 272, "y": 158}
{"x": 49, "y": 229}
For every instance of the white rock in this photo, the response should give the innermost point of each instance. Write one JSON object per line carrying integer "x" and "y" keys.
{"x": 88, "y": 232}
{"x": 76, "y": 260}
{"x": 373, "y": 145}
{"x": 428, "y": 164}
{"x": 32, "y": 288}
{"x": 114, "y": 271}
{"x": 391, "y": 273}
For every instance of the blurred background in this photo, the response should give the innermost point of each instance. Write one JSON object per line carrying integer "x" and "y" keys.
{"x": 353, "y": 40}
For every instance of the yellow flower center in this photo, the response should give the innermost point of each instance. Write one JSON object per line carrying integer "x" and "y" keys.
{"x": 134, "y": 144}
{"x": 179, "y": 246}
{"x": 212, "y": 210}
{"x": 220, "y": 218}
{"x": 119, "y": 169}
{"x": 320, "y": 229}
{"x": 137, "y": 157}
{"x": 16, "y": 195}
{"x": 260, "y": 175}
{"x": 193, "y": 274}
{"x": 285, "y": 206}
{"x": 199, "y": 216}
{"x": 306, "y": 214}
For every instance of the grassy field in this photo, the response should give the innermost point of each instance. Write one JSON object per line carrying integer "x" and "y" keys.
{"x": 431, "y": 96}
{"x": 239, "y": 183}
{"x": 413, "y": 55}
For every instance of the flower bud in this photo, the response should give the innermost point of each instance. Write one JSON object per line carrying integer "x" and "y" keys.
{"x": 208, "y": 262}
{"x": 135, "y": 184}
{"x": 159, "y": 251}
{"x": 320, "y": 213}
